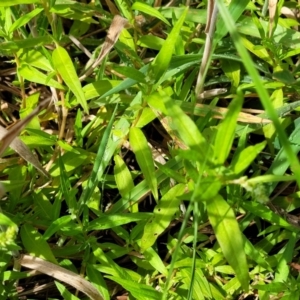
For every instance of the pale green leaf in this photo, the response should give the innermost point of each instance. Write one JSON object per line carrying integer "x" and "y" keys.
{"x": 144, "y": 158}
{"x": 35, "y": 244}
{"x": 64, "y": 65}
{"x": 163, "y": 58}
{"x": 155, "y": 261}
{"x": 145, "y": 8}
{"x": 138, "y": 290}
{"x": 110, "y": 221}
{"x": 98, "y": 281}
{"x": 57, "y": 225}
{"x": 34, "y": 75}
{"x": 122, "y": 176}
{"x": 187, "y": 130}
{"x": 229, "y": 236}
{"x": 163, "y": 214}
{"x": 17, "y": 2}
{"x": 64, "y": 292}
{"x": 226, "y": 130}
{"x": 25, "y": 19}
{"x": 246, "y": 157}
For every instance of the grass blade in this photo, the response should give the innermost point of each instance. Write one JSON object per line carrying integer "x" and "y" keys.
{"x": 64, "y": 65}
{"x": 226, "y": 130}
{"x": 163, "y": 214}
{"x": 229, "y": 236}
{"x": 93, "y": 179}
{"x": 144, "y": 158}
{"x": 263, "y": 95}
{"x": 163, "y": 58}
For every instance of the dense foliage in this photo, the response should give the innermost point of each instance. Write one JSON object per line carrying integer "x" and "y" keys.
{"x": 149, "y": 149}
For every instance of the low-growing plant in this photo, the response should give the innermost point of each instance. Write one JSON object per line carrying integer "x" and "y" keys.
{"x": 149, "y": 149}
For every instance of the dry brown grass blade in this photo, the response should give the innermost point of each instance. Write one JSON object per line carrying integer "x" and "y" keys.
{"x": 117, "y": 25}
{"x": 219, "y": 113}
{"x": 112, "y": 8}
{"x": 18, "y": 146}
{"x": 61, "y": 274}
{"x": 272, "y": 11}
{"x": 14, "y": 131}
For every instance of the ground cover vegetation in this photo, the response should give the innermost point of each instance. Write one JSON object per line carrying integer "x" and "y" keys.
{"x": 149, "y": 149}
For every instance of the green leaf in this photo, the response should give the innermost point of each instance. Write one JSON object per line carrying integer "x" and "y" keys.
{"x": 138, "y": 290}
{"x": 17, "y": 2}
{"x": 274, "y": 287}
{"x": 31, "y": 102}
{"x": 283, "y": 268}
{"x": 255, "y": 255}
{"x": 201, "y": 287}
{"x": 164, "y": 212}
{"x": 34, "y": 58}
{"x": 57, "y": 225}
{"x": 66, "y": 189}
{"x": 111, "y": 221}
{"x": 146, "y": 117}
{"x": 64, "y": 292}
{"x": 64, "y": 65}
{"x": 4, "y": 220}
{"x": 71, "y": 161}
{"x": 130, "y": 73}
{"x": 98, "y": 88}
{"x": 265, "y": 213}
{"x": 95, "y": 277}
{"x": 232, "y": 70}
{"x": 33, "y": 141}
{"x": 163, "y": 58}
{"x": 24, "y": 19}
{"x": 259, "y": 86}
{"x": 122, "y": 176}
{"x": 226, "y": 130}
{"x": 35, "y": 244}
{"x": 151, "y": 42}
{"x": 187, "y": 130}
{"x": 34, "y": 75}
{"x": 229, "y": 236}
{"x": 144, "y": 158}
{"x": 94, "y": 177}
{"x": 246, "y": 156}
{"x": 152, "y": 257}
{"x": 142, "y": 189}
{"x": 149, "y": 11}
{"x": 14, "y": 46}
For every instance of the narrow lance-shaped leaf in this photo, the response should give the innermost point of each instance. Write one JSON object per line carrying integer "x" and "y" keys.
{"x": 123, "y": 179}
{"x": 24, "y": 19}
{"x": 16, "y": 2}
{"x": 35, "y": 244}
{"x": 163, "y": 58}
{"x": 242, "y": 161}
{"x": 261, "y": 90}
{"x": 93, "y": 179}
{"x": 122, "y": 176}
{"x": 144, "y": 158}
{"x": 163, "y": 213}
{"x": 64, "y": 65}
{"x": 187, "y": 130}
{"x": 34, "y": 75}
{"x": 145, "y": 8}
{"x": 226, "y": 130}
{"x": 229, "y": 236}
